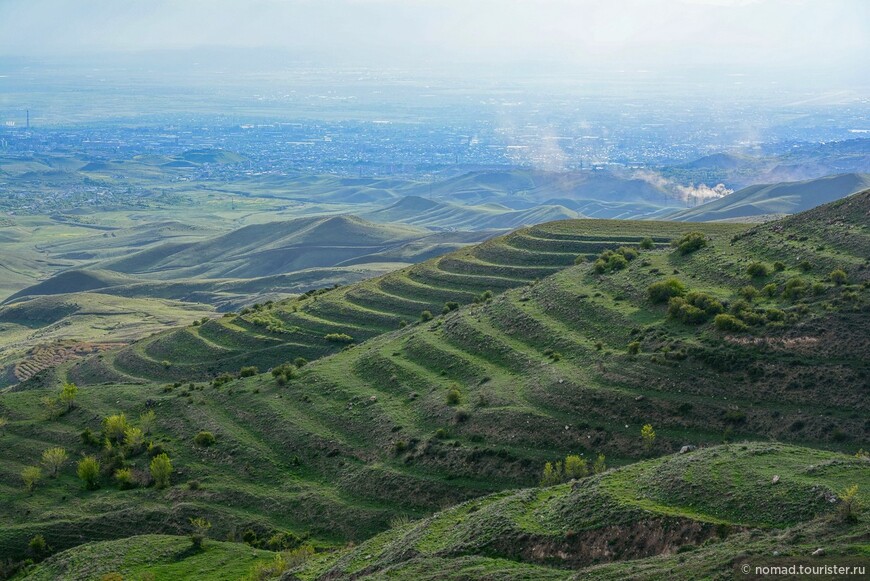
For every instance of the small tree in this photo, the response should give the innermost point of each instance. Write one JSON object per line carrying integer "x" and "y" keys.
{"x": 53, "y": 459}
{"x": 134, "y": 439}
{"x": 249, "y": 371}
{"x": 200, "y": 527}
{"x": 38, "y": 548}
{"x": 757, "y": 270}
{"x": 575, "y": 467}
{"x": 647, "y": 244}
{"x": 115, "y": 427}
{"x": 426, "y": 316}
{"x": 552, "y": 474}
{"x": 31, "y": 476}
{"x": 453, "y": 396}
{"x": 146, "y": 421}
{"x": 690, "y": 242}
{"x": 88, "y": 470}
{"x": 850, "y": 505}
{"x": 68, "y": 394}
{"x": 49, "y": 404}
{"x": 600, "y": 464}
{"x": 161, "y": 470}
{"x": 648, "y": 435}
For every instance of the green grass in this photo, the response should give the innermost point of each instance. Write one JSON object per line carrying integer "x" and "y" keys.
{"x": 368, "y": 433}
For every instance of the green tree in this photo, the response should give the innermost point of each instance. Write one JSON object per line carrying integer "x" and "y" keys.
{"x": 124, "y": 478}
{"x": 88, "y": 470}
{"x": 426, "y": 316}
{"x": 161, "y": 470}
{"x": 199, "y": 531}
{"x": 690, "y": 242}
{"x": 850, "y": 505}
{"x": 68, "y": 394}
{"x": 552, "y": 474}
{"x": 600, "y": 464}
{"x": 453, "y": 396}
{"x": 648, "y": 436}
{"x": 31, "y": 475}
{"x": 53, "y": 459}
{"x": 757, "y": 270}
{"x": 204, "y": 439}
{"x": 134, "y": 438}
{"x": 647, "y": 244}
{"x": 575, "y": 467}
{"x": 115, "y": 427}
{"x": 146, "y": 421}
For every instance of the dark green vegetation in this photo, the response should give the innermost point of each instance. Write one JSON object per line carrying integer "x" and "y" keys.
{"x": 774, "y": 199}
{"x": 270, "y": 334}
{"x": 472, "y": 401}
{"x": 687, "y": 516}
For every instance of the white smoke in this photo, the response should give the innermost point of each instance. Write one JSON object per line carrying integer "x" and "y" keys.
{"x": 690, "y": 194}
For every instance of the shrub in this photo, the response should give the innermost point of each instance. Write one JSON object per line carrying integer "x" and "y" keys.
{"x": 199, "y": 531}
{"x": 31, "y": 475}
{"x": 662, "y": 291}
{"x": 89, "y": 438}
{"x": 161, "y": 470}
{"x": 769, "y": 290}
{"x": 249, "y": 371}
{"x": 575, "y": 467}
{"x": 53, "y": 459}
{"x": 68, "y": 395}
{"x": 647, "y": 244}
{"x": 204, "y": 439}
{"x": 166, "y": 364}
{"x": 725, "y": 322}
{"x": 599, "y": 266}
{"x": 146, "y": 421}
{"x": 426, "y": 316}
{"x": 222, "y": 379}
{"x": 450, "y": 306}
{"x": 453, "y": 396}
{"x": 400, "y": 446}
{"x": 748, "y": 293}
{"x": 338, "y": 338}
{"x": 124, "y": 478}
{"x": 795, "y": 288}
{"x": 299, "y": 362}
{"x": 681, "y": 310}
{"x": 850, "y": 505}
{"x": 580, "y": 259}
{"x": 484, "y": 297}
{"x": 88, "y": 470}
{"x": 778, "y": 266}
{"x": 837, "y": 276}
{"x": 634, "y": 348}
{"x": 690, "y": 242}
{"x": 115, "y": 426}
{"x": 774, "y": 315}
{"x": 627, "y": 252}
{"x": 757, "y": 270}
{"x": 648, "y": 436}
{"x": 805, "y": 265}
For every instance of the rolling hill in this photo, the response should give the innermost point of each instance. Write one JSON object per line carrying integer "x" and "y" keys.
{"x": 776, "y": 199}
{"x": 419, "y": 211}
{"x": 475, "y": 401}
{"x": 299, "y": 327}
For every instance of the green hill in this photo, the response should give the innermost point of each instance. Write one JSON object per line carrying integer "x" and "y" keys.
{"x": 686, "y": 516}
{"x": 772, "y": 199}
{"x": 294, "y": 328}
{"x": 475, "y": 401}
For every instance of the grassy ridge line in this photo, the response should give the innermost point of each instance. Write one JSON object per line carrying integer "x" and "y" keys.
{"x": 369, "y": 308}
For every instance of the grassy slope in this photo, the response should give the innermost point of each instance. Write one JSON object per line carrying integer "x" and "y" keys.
{"x": 167, "y": 558}
{"x": 322, "y": 454}
{"x": 296, "y": 328}
{"x": 685, "y": 515}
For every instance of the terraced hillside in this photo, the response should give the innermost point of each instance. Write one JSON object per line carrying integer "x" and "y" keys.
{"x": 281, "y": 332}
{"x": 705, "y": 514}
{"x": 478, "y": 399}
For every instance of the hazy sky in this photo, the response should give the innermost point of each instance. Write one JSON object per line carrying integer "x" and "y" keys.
{"x": 813, "y": 35}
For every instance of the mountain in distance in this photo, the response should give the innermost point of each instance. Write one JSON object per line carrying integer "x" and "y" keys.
{"x": 424, "y": 212}
{"x": 776, "y": 199}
